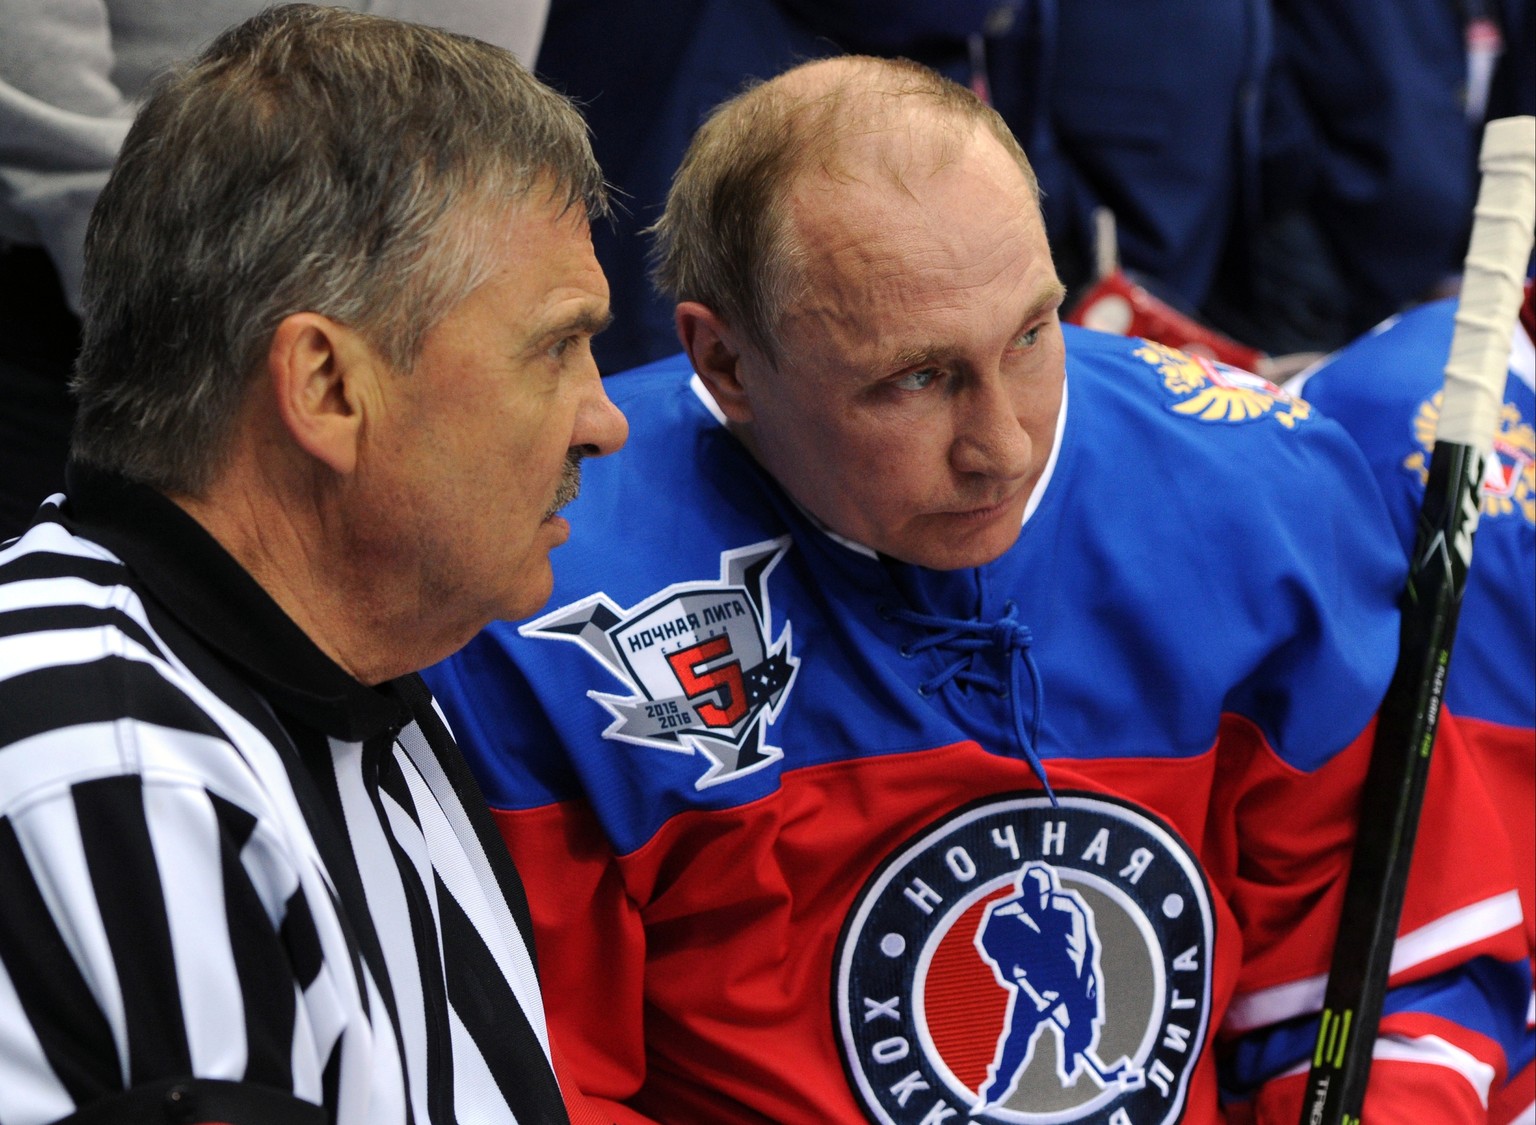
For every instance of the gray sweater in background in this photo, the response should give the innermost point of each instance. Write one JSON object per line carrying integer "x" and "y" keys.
{"x": 72, "y": 71}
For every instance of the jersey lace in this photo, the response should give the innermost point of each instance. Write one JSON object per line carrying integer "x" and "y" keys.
{"x": 963, "y": 640}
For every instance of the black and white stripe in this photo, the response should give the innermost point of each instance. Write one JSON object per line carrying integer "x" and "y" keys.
{"x": 194, "y": 884}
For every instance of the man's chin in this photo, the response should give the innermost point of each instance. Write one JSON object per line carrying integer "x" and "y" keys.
{"x": 959, "y": 552}
{"x": 531, "y": 595}
{"x": 533, "y": 577}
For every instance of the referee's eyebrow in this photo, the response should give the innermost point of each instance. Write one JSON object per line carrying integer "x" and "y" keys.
{"x": 589, "y": 321}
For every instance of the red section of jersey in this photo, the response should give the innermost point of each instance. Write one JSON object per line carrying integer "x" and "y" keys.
{"x": 715, "y": 942}
{"x": 1280, "y": 886}
{"x": 1507, "y": 758}
{"x": 1516, "y": 1102}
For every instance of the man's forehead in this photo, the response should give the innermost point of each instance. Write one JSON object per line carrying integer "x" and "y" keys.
{"x": 885, "y": 175}
{"x": 902, "y": 140}
{"x": 961, "y": 231}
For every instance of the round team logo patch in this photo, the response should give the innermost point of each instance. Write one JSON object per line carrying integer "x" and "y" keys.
{"x": 1024, "y": 963}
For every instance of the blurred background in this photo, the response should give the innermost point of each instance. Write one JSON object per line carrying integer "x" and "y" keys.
{"x": 1259, "y": 179}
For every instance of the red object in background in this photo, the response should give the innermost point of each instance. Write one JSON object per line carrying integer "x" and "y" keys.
{"x": 1118, "y": 305}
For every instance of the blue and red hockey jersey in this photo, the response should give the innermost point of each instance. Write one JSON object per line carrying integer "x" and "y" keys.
{"x": 814, "y": 836}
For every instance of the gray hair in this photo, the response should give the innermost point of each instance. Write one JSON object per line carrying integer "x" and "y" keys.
{"x": 313, "y": 160}
{"x": 723, "y": 239}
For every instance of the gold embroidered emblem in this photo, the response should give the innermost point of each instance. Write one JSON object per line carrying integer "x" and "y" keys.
{"x": 1509, "y": 478}
{"x": 1213, "y": 392}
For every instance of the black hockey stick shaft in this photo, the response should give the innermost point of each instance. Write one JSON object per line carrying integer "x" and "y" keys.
{"x": 1407, "y": 719}
{"x": 1394, "y": 791}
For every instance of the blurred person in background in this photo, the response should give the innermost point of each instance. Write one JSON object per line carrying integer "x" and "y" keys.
{"x": 72, "y": 74}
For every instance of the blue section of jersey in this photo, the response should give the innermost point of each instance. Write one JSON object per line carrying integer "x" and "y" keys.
{"x": 1140, "y": 629}
{"x": 1382, "y": 390}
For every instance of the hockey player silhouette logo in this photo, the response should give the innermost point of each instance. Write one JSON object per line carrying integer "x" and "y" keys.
{"x": 1024, "y": 961}
{"x": 1041, "y": 943}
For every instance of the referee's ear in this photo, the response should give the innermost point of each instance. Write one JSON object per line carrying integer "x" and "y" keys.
{"x": 321, "y": 375}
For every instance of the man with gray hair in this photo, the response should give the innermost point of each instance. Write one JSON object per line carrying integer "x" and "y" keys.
{"x": 905, "y": 599}
{"x": 335, "y": 387}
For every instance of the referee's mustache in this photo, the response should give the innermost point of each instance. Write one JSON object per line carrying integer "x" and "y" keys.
{"x": 570, "y": 478}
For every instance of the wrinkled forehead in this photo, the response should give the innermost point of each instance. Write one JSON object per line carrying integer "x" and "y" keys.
{"x": 914, "y": 257}
{"x": 877, "y": 141}
{"x": 910, "y": 177}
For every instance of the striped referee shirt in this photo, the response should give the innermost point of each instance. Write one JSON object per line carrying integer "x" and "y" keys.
{"x": 236, "y": 883}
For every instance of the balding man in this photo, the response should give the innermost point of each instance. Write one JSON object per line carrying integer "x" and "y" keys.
{"x": 905, "y": 592}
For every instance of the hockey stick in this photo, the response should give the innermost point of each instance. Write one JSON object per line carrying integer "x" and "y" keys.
{"x": 1394, "y": 786}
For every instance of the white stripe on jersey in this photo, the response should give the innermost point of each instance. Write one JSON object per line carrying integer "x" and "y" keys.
{"x": 54, "y": 593}
{"x": 30, "y": 1094}
{"x": 372, "y": 1087}
{"x": 411, "y": 841}
{"x": 49, "y": 835}
{"x": 184, "y": 833}
{"x": 306, "y": 1056}
{"x": 1434, "y": 1050}
{"x": 56, "y": 539}
{"x": 1458, "y": 929}
{"x": 45, "y": 765}
{"x": 391, "y": 913}
{"x": 467, "y": 874}
{"x": 1429, "y": 1049}
{"x": 476, "y": 1099}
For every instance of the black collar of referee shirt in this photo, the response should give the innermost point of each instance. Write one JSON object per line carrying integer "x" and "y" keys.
{"x": 190, "y": 573}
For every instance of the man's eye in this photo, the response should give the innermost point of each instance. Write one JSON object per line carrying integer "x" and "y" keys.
{"x": 918, "y": 380}
{"x": 1028, "y": 338}
{"x": 560, "y": 347}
